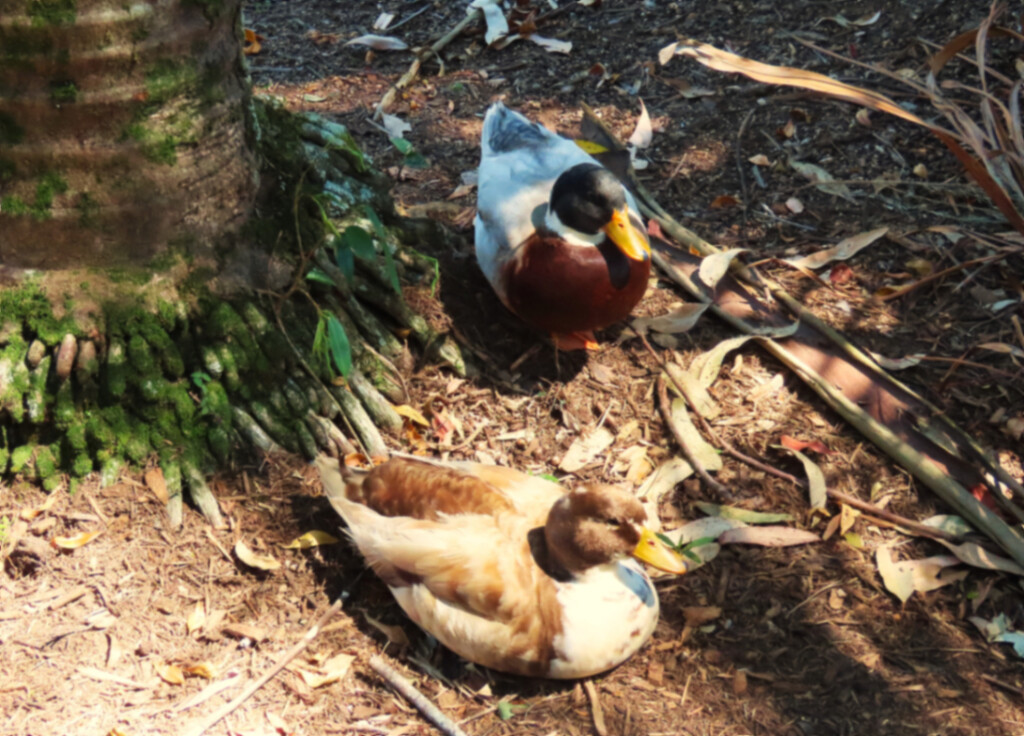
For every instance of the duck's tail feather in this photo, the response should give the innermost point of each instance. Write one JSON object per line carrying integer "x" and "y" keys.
{"x": 341, "y": 483}
{"x": 506, "y": 130}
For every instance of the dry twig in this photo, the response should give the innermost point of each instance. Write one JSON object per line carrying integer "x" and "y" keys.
{"x": 406, "y": 689}
{"x": 423, "y": 55}
{"x": 228, "y": 708}
{"x": 595, "y": 708}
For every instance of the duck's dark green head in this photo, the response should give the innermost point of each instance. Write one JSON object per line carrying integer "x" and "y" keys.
{"x": 589, "y": 199}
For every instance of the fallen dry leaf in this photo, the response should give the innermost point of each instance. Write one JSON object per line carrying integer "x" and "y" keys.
{"x": 404, "y": 410}
{"x": 196, "y": 618}
{"x": 46, "y": 505}
{"x": 206, "y": 670}
{"x": 768, "y": 536}
{"x": 378, "y": 43}
{"x": 554, "y": 45}
{"x": 252, "y": 42}
{"x": 494, "y": 16}
{"x": 250, "y": 558}
{"x": 75, "y": 540}
{"x": 314, "y": 538}
{"x": 585, "y": 448}
{"x": 170, "y": 673}
{"x": 699, "y": 615}
{"x": 395, "y": 634}
{"x": 155, "y": 481}
{"x": 844, "y": 249}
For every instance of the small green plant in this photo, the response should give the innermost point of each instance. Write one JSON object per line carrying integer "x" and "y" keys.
{"x": 331, "y": 348}
{"x": 686, "y": 548}
{"x": 413, "y": 158}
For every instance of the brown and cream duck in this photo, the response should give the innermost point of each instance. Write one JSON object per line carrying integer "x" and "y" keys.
{"x": 507, "y": 570}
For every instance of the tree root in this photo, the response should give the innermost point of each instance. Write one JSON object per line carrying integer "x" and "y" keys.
{"x": 198, "y": 381}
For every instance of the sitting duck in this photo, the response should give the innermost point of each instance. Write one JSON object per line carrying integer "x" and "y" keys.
{"x": 557, "y": 235}
{"x": 507, "y": 570}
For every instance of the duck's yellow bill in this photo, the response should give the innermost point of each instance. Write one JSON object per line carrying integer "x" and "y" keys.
{"x": 656, "y": 553}
{"x": 626, "y": 237}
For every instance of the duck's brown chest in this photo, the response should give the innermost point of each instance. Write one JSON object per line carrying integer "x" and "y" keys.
{"x": 558, "y": 287}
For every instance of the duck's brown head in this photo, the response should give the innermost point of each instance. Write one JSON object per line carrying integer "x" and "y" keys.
{"x": 600, "y": 523}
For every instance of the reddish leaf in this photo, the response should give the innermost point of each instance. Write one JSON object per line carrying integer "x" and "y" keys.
{"x": 724, "y": 200}
{"x": 801, "y": 445}
{"x": 840, "y": 273}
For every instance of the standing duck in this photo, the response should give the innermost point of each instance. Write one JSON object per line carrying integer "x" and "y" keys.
{"x": 506, "y": 569}
{"x": 557, "y": 235}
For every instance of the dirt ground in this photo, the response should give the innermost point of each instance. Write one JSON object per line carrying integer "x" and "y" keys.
{"x": 808, "y": 642}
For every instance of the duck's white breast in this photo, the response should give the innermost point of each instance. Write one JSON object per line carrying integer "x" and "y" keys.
{"x": 610, "y": 611}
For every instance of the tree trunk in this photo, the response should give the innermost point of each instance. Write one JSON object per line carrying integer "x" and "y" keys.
{"x": 128, "y": 144}
{"x": 122, "y": 130}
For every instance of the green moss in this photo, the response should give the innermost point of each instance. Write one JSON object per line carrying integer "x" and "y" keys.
{"x": 20, "y": 458}
{"x": 81, "y": 465}
{"x": 48, "y": 186}
{"x": 158, "y": 148}
{"x": 138, "y": 448}
{"x": 64, "y": 407}
{"x": 110, "y": 471}
{"x": 36, "y": 397}
{"x": 167, "y": 79}
{"x": 46, "y": 463}
{"x": 76, "y": 435}
{"x": 215, "y": 403}
{"x": 162, "y": 343}
{"x": 101, "y": 437}
{"x": 184, "y": 406}
{"x": 166, "y": 427}
{"x": 63, "y": 92}
{"x": 52, "y": 12}
{"x": 117, "y": 369}
{"x": 211, "y": 8}
{"x": 30, "y": 306}
{"x": 141, "y": 356}
{"x": 88, "y": 210}
{"x": 13, "y": 205}
{"x": 227, "y": 360}
{"x": 10, "y": 132}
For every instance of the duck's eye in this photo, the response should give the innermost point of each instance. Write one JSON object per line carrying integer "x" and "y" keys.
{"x": 612, "y": 522}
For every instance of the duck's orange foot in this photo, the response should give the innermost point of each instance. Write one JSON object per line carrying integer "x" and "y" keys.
{"x": 574, "y": 340}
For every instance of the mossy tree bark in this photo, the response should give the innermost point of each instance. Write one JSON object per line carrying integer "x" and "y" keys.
{"x": 204, "y": 266}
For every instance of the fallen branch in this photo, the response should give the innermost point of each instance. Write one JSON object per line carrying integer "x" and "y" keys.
{"x": 697, "y": 465}
{"x": 228, "y": 708}
{"x": 414, "y": 68}
{"x": 414, "y": 696}
{"x": 724, "y": 445}
{"x": 869, "y": 508}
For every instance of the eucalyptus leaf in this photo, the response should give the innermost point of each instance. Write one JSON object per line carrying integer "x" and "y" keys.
{"x": 345, "y": 260}
{"x": 746, "y": 515}
{"x": 815, "y": 478}
{"x": 391, "y": 271}
{"x": 341, "y": 350}
{"x": 315, "y": 274}
{"x": 359, "y": 241}
{"x": 713, "y": 267}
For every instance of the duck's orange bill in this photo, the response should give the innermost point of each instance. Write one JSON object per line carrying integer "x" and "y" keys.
{"x": 626, "y": 237}
{"x": 656, "y": 554}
